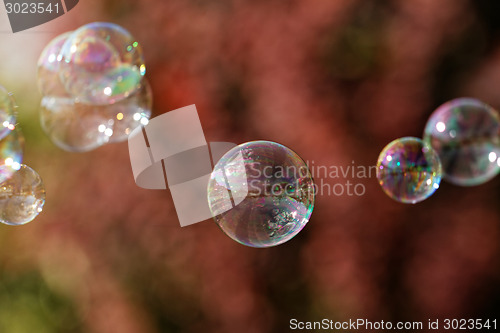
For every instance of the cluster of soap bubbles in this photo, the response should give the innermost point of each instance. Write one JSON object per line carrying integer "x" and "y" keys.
{"x": 93, "y": 87}
{"x": 461, "y": 143}
{"x": 22, "y": 194}
{"x": 261, "y": 194}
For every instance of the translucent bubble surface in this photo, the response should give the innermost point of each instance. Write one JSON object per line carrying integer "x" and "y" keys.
{"x": 49, "y": 83}
{"x": 11, "y": 154}
{"x": 408, "y": 170}
{"x": 7, "y": 113}
{"x": 74, "y": 126}
{"x": 102, "y": 64}
{"x": 129, "y": 113}
{"x": 78, "y": 127}
{"x": 22, "y": 197}
{"x": 261, "y": 194}
{"x": 465, "y": 133}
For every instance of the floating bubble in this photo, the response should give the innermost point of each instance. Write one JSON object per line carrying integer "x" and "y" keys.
{"x": 78, "y": 127}
{"x": 11, "y": 154}
{"x": 261, "y": 194}
{"x": 465, "y": 133}
{"x": 408, "y": 170}
{"x": 49, "y": 82}
{"x": 7, "y": 113}
{"x": 22, "y": 197}
{"x": 73, "y": 126}
{"x": 101, "y": 64}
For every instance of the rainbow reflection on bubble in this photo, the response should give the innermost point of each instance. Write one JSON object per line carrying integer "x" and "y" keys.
{"x": 101, "y": 64}
{"x": 408, "y": 170}
{"x": 465, "y": 133}
{"x": 7, "y": 113}
{"x": 261, "y": 194}
{"x": 11, "y": 154}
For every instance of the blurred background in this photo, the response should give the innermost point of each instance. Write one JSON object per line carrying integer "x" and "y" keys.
{"x": 333, "y": 80}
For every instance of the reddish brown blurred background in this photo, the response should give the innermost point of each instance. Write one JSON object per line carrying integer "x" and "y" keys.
{"x": 333, "y": 80}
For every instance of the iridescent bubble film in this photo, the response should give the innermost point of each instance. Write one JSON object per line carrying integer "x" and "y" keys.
{"x": 7, "y": 113}
{"x": 261, "y": 194}
{"x": 49, "y": 82}
{"x": 465, "y": 133}
{"x": 101, "y": 64}
{"x": 22, "y": 197}
{"x": 408, "y": 170}
{"x": 11, "y": 154}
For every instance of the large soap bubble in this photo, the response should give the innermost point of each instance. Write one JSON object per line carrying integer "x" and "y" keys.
{"x": 261, "y": 194}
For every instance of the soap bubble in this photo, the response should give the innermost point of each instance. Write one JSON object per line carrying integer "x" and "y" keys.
{"x": 22, "y": 197}
{"x": 102, "y": 63}
{"x": 49, "y": 83}
{"x": 93, "y": 87}
{"x": 11, "y": 154}
{"x": 465, "y": 133}
{"x": 7, "y": 114}
{"x": 79, "y": 127}
{"x": 408, "y": 170}
{"x": 73, "y": 126}
{"x": 261, "y": 194}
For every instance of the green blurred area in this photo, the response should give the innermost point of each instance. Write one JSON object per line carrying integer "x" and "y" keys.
{"x": 27, "y": 304}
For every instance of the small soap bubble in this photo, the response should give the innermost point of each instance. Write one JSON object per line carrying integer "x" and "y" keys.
{"x": 49, "y": 82}
{"x": 7, "y": 113}
{"x": 261, "y": 194}
{"x": 11, "y": 154}
{"x": 408, "y": 170}
{"x": 73, "y": 126}
{"x": 101, "y": 64}
{"x": 465, "y": 133}
{"x": 22, "y": 197}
